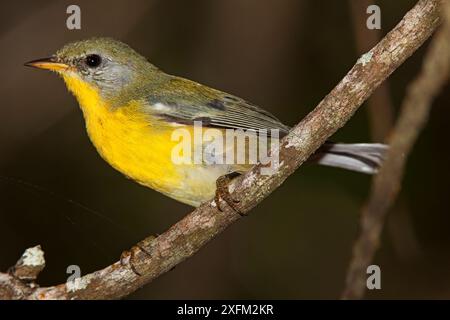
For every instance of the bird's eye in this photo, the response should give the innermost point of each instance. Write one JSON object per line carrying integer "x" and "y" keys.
{"x": 93, "y": 60}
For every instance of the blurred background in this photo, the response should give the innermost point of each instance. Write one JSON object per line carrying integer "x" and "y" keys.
{"x": 284, "y": 55}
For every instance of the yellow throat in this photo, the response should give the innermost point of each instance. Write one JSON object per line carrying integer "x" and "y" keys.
{"x": 129, "y": 140}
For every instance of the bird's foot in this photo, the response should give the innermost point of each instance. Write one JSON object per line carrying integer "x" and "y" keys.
{"x": 223, "y": 193}
{"x": 128, "y": 256}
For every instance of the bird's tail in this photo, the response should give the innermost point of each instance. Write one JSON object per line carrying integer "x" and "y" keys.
{"x": 360, "y": 157}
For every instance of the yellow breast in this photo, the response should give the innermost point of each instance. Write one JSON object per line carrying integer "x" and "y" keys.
{"x": 132, "y": 142}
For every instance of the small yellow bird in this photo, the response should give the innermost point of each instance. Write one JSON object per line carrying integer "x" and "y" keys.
{"x": 132, "y": 108}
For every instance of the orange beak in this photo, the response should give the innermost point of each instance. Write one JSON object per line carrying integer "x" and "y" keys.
{"x": 50, "y": 63}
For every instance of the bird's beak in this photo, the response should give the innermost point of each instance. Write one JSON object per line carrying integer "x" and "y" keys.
{"x": 50, "y": 63}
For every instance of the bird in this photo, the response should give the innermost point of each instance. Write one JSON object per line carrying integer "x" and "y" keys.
{"x": 131, "y": 109}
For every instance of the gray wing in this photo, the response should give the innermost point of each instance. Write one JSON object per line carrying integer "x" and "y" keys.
{"x": 188, "y": 102}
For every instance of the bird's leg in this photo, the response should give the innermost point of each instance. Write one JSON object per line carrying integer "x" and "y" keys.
{"x": 127, "y": 256}
{"x": 222, "y": 192}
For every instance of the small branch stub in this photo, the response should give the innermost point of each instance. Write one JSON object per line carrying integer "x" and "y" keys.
{"x": 29, "y": 265}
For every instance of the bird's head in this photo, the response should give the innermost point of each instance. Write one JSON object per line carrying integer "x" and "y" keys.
{"x": 102, "y": 64}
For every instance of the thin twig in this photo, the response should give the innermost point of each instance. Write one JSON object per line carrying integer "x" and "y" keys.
{"x": 153, "y": 257}
{"x": 386, "y": 185}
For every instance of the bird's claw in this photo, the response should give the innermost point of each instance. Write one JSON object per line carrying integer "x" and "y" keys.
{"x": 127, "y": 257}
{"x": 223, "y": 193}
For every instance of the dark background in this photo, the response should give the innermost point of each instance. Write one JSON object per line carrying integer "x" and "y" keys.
{"x": 282, "y": 55}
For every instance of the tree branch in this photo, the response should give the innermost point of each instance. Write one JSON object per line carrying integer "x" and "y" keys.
{"x": 153, "y": 257}
{"x": 387, "y": 184}
{"x": 381, "y": 118}
{"x": 379, "y": 106}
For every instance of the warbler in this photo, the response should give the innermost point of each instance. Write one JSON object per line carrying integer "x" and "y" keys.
{"x": 131, "y": 109}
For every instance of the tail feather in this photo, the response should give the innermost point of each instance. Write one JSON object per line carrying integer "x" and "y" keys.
{"x": 360, "y": 157}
